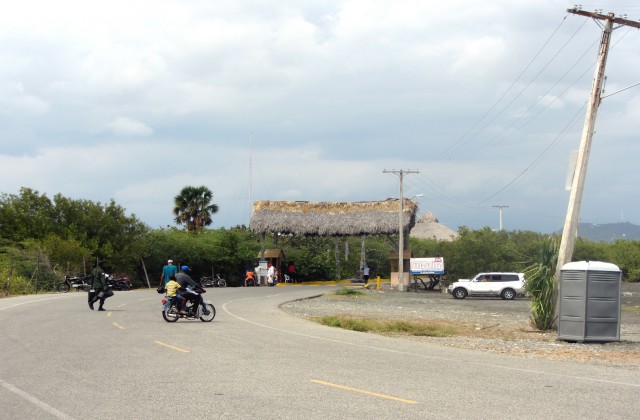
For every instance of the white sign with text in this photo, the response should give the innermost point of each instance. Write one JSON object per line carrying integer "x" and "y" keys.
{"x": 427, "y": 265}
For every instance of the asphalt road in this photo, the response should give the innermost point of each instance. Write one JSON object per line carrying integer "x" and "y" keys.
{"x": 63, "y": 361}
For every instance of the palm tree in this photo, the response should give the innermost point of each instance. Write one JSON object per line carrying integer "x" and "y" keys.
{"x": 193, "y": 207}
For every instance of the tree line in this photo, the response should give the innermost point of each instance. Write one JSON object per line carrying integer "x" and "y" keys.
{"x": 42, "y": 239}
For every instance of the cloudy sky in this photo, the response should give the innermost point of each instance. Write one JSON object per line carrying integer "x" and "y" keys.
{"x": 313, "y": 100}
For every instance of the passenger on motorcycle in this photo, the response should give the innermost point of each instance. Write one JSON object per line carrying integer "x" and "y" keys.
{"x": 171, "y": 289}
{"x": 190, "y": 290}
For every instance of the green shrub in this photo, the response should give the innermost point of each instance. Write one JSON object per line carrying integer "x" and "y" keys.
{"x": 14, "y": 284}
{"x": 345, "y": 291}
{"x": 539, "y": 284}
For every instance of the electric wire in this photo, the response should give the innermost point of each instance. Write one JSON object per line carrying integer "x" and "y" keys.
{"x": 446, "y": 199}
{"x": 457, "y": 142}
{"x": 440, "y": 194}
{"x": 554, "y": 142}
{"x": 495, "y": 140}
{"x": 526, "y": 87}
{"x": 621, "y": 90}
{"x": 538, "y": 159}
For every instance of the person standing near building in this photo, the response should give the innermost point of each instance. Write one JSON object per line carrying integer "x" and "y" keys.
{"x": 167, "y": 271}
{"x": 366, "y": 275}
{"x": 257, "y": 275}
{"x": 249, "y": 278}
{"x": 271, "y": 271}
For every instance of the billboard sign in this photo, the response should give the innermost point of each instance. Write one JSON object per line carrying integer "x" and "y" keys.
{"x": 427, "y": 265}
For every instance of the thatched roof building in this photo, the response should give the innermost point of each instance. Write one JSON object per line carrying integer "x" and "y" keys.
{"x": 428, "y": 227}
{"x": 331, "y": 218}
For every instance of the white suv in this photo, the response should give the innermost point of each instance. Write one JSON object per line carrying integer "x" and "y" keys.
{"x": 505, "y": 285}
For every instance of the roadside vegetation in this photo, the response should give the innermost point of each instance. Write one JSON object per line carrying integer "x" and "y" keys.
{"x": 392, "y": 327}
{"x": 346, "y": 291}
{"x": 42, "y": 239}
{"x": 540, "y": 277}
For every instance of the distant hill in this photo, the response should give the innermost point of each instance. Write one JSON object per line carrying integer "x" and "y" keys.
{"x": 608, "y": 232}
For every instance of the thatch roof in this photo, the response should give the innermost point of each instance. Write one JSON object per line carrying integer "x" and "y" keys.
{"x": 428, "y": 227}
{"x": 331, "y": 218}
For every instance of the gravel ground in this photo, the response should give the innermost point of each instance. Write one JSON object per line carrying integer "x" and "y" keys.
{"x": 485, "y": 324}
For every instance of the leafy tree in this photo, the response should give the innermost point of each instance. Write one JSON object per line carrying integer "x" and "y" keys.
{"x": 193, "y": 207}
{"x": 27, "y": 215}
{"x": 105, "y": 230}
{"x": 68, "y": 256}
{"x": 626, "y": 255}
{"x": 64, "y": 226}
{"x": 586, "y": 250}
{"x": 224, "y": 251}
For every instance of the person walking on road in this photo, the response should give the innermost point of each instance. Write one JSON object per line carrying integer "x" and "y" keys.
{"x": 99, "y": 287}
{"x": 167, "y": 271}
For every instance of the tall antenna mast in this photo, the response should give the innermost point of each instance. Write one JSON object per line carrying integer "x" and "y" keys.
{"x": 250, "y": 174}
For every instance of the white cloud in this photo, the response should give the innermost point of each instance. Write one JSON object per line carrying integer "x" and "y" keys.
{"x": 123, "y": 126}
{"x": 333, "y": 93}
{"x": 15, "y": 100}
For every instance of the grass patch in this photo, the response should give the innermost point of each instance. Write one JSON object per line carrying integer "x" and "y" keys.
{"x": 425, "y": 329}
{"x": 349, "y": 292}
{"x": 631, "y": 309}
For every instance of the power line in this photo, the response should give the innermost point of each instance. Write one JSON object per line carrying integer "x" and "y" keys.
{"x": 494, "y": 140}
{"x": 457, "y": 142}
{"x": 539, "y": 158}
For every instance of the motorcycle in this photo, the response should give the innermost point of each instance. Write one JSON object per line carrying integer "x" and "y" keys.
{"x": 216, "y": 281}
{"x": 120, "y": 283}
{"x": 75, "y": 282}
{"x": 170, "y": 311}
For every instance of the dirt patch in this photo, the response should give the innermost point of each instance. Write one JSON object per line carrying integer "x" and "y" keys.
{"x": 486, "y": 324}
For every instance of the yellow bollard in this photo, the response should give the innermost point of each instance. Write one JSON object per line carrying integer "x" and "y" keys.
{"x": 378, "y": 283}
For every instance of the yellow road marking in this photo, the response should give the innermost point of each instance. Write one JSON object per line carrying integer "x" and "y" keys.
{"x": 361, "y": 391}
{"x": 109, "y": 313}
{"x": 171, "y": 347}
{"x": 115, "y": 324}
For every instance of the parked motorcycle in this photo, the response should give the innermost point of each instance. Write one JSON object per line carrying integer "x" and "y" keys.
{"x": 170, "y": 311}
{"x": 75, "y": 282}
{"x": 216, "y": 281}
{"x": 120, "y": 283}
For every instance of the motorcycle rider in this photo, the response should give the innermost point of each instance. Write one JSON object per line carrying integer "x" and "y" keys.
{"x": 189, "y": 290}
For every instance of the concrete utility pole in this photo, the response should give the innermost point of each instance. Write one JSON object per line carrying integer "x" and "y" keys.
{"x": 570, "y": 229}
{"x": 401, "y": 282}
{"x": 501, "y": 207}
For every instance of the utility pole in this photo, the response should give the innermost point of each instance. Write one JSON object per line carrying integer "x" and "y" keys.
{"x": 501, "y": 207}
{"x": 570, "y": 229}
{"x": 401, "y": 283}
